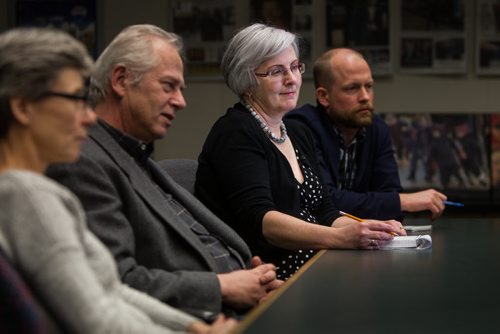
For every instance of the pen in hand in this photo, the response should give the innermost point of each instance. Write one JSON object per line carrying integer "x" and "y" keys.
{"x": 450, "y": 203}
{"x": 342, "y": 213}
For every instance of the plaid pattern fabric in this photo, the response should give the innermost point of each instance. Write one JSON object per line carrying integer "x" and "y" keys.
{"x": 225, "y": 257}
{"x": 18, "y": 311}
{"x": 348, "y": 162}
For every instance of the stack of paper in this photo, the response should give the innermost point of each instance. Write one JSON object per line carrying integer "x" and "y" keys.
{"x": 415, "y": 241}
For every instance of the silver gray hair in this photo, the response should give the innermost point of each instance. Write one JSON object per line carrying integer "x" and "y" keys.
{"x": 249, "y": 48}
{"x": 31, "y": 59}
{"x": 133, "y": 49}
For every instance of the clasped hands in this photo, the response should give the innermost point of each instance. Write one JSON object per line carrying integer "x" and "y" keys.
{"x": 243, "y": 289}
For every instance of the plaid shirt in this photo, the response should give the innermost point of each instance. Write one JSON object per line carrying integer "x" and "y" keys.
{"x": 349, "y": 159}
{"x": 226, "y": 258}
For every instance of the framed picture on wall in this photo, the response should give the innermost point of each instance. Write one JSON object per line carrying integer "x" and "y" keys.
{"x": 205, "y": 27}
{"x": 488, "y": 37}
{"x": 303, "y": 25}
{"x": 495, "y": 156}
{"x": 449, "y": 152}
{"x": 277, "y": 13}
{"x": 371, "y": 38}
{"x": 291, "y": 15}
{"x": 77, "y": 17}
{"x": 432, "y": 42}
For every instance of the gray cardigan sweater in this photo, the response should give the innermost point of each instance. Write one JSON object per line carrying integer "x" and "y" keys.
{"x": 43, "y": 231}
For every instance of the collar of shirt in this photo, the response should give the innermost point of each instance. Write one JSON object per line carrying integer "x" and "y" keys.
{"x": 358, "y": 139}
{"x": 137, "y": 149}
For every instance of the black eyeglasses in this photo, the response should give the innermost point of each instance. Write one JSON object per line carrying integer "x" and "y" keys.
{"x": 82, "y": 100}
{"x": 279, "y": 71}
{"x": 75, "y": 97}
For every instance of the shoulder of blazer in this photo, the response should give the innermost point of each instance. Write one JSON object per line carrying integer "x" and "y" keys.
{"x": 102, "y": 147}
{"x": 315, "y": 118}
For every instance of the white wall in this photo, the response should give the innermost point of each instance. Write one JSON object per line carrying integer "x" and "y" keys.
{"x": 207, "y": 100}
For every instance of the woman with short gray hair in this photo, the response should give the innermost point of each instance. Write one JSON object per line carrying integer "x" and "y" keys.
{"x": 258, "y": 172}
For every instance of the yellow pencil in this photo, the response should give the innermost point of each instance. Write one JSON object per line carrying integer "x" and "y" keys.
{"x": 359, "y": 219}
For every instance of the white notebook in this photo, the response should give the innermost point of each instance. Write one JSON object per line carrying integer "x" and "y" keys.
{"x": 413, "y": 241}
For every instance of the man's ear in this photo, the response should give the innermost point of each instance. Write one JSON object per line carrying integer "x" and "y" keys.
{"x": 322, "y": 97}
{"x": 20, "y": 109}
{"x": 119, "y": 80}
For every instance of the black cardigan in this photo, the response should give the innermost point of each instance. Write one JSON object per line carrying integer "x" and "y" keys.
{"x": 242, "y": 175}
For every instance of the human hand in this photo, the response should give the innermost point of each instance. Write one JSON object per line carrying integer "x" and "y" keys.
{"x": 245, "y": 288}
{"x": 369, "y": 234}
{"x": 271, "y": 289}
{"x": 429, "y": 199}
{"x": 255, "y": 262}
{"x": 221, "y": 325}
{"x": 268, "y": 279}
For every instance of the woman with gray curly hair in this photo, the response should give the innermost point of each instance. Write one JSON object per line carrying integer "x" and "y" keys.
{"x": 44, "y": 116}
{"x": 259, "y": 173}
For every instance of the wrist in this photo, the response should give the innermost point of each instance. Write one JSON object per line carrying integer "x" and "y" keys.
{"x": 403, "y": 202}
{"x": 198, "y": 327}
{"x": 224, "y": 287}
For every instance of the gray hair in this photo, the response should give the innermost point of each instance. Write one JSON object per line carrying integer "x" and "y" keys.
{"x": 31, "y": 59}
{"x": 133, "y": 49}
{"x": 249, "y": 48}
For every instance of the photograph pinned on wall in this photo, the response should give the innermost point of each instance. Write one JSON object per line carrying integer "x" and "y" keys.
{"x": 205, "y": 27}
{"x": 291, "y": 15}
{"x": 495, "y": 156}
{"x": 430, "y": 41}
{"x": 343, "y": 29}
{"x": 302, "y": 25}
{"x": 77, "y": 17}
{"x": 277, "y": 13}
{"x": 443, "y": 151}
{"x": 488, "y": 37}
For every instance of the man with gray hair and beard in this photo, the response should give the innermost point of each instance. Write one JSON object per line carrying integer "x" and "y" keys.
{"x": 166, "y": 243}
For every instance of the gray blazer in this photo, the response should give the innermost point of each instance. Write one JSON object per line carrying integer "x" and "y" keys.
{"x": 155, "y": 252}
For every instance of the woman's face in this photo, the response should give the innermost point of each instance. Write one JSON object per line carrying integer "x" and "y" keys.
{"x": 278, "y": 94}
{"x": 58, "y": 124}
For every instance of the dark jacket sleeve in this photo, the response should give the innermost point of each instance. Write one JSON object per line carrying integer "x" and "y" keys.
{"x": 377, "y": 185}
{"x": 115, "y": 217}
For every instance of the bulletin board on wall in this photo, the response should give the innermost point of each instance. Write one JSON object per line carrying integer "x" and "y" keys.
{"x": 488, "y": 37}
{"x": 371, "y": 37}
{"x": 207, "y": 26}
{"x": 77, "y": 17}
{"x": 432, "y": 37}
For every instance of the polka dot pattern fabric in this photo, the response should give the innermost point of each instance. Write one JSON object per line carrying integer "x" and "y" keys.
{"x": 310, "y": 199}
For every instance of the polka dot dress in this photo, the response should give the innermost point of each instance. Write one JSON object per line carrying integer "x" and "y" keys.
{"x": 310, "y": 199}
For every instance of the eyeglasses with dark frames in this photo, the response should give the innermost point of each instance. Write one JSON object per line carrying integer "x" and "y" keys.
{"x": 83, "y": 98}
{"x": 279, "y": 71}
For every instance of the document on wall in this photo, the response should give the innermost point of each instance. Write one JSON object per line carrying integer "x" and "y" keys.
{"x": 413, "y": 241}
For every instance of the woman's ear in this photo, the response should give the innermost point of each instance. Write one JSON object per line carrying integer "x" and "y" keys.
{"x": 119, "y": 80}
{"x": 322, "y": 97}
{"x": 20, "y": 109}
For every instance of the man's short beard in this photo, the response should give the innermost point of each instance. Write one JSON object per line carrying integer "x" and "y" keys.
{"x": 351, "y": 121}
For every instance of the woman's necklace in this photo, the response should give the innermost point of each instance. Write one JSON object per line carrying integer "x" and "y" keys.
{"x": 265, "y": 128}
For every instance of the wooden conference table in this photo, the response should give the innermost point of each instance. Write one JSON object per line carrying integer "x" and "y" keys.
{"x": 452, "y": 288}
